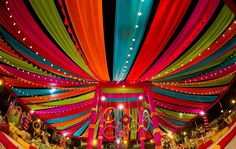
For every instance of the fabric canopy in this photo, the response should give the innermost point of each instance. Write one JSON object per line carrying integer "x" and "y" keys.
{"x": 162, "y": 62}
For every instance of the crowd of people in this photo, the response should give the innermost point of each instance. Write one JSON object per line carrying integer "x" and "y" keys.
{"x": 41, "y": 139}
{"x": 200, "y": 134}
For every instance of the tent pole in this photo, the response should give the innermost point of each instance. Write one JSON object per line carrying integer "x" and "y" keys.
{"x": 93, "y": 117}
{"x": 156, "y": 130}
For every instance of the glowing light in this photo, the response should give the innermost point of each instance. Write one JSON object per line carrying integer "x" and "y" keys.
{"x": 95, "y": 142}
{"x": 38, "y": 120}
{"x": 32, "y": 111}
{"x": 233, "y": 101}
{"x": 125, "y": 142}
{"x": 118, "y": 141}
{"x": 139, "y": 13}
{"x": 202, "y": 113}
{"x": 184, "y": 133}
{"x": 181, "y": 115}
{"x": 52, "y": 90}
{"x": 170, "y": 135}
{"x": 123, "y": 86}
{"x": 151, "y": 141}
{"x": 1, "y": 82}
{"x": 120, "y": 106}
{"x": 230, "y": 111}
{"x": 103, "y": 98}
{"x": 222, "y": 111}
{"x": 140, "y": 97}
{"x": 65, "y": 134}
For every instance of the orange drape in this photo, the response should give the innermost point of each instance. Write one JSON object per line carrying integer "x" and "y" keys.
{"x": 87, "y": 21}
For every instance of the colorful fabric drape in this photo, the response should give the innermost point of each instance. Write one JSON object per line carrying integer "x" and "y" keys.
{"x": 173, "y": 59}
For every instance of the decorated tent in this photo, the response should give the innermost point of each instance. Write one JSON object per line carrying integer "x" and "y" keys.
{"x": 124, "y": 69}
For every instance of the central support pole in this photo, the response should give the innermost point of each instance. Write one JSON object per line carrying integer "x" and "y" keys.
{"x": 93, "y": 118}
{"x": 101, "y": 131}
{"x": 156, "y": 130}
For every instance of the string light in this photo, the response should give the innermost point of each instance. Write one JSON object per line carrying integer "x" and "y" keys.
{"x": 202, "y": 113}
{"x": 52, "y": 90}
{"x": 140, "y": 97}
{"x": 31, "y": 111}
{"x": 233, "y": 101}
{"x": 120, "y": 106}
{"x": 103, "y": 98}
{"x": 118, "y": 141}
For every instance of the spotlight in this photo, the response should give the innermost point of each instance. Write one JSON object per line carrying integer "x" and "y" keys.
{"x": 120, "y": 106}
{"x": 52, "y": 90}
{"x": 169, "y": 134}
{"x": 202, "y": 113}
{"x": 31, "y": 111}
{"x": 140, "y": 97}
{"x": 103, "y": 98}
{"x": 95, "y": 142}
{"x": 233, "y": 101}
{"x": 118, "y": 141}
